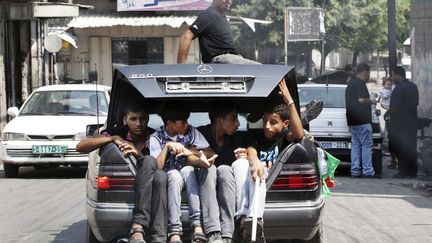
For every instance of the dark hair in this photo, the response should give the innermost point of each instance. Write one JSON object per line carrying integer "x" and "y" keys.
{"x": 173, "y": 111}
{"x": 362, "y": 67}
{"x": 400, "y": 71}
{"x": 348, "y": 68}
{"x": 281, "y": 109}
{"x": 220, "y": 110}
{"x": 134, "y": 107}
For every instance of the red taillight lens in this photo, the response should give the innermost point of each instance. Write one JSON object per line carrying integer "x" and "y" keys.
{"x": 296, "y": 176}
{"x": 115, "y": 183}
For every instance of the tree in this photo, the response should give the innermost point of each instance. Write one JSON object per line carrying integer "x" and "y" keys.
{"x": 358, "y": 25}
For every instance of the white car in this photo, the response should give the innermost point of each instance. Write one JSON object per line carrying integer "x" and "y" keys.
{"x": 49, "y": 124}
{"x": 330, "y": 128}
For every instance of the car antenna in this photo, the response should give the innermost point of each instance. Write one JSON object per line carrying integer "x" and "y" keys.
{"x": 97, "y": 99}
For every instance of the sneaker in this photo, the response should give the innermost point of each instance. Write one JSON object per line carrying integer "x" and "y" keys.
{"x": 214, "y": 237}
{"x": 259, "y": 233}
{"x": 313, "y": 109}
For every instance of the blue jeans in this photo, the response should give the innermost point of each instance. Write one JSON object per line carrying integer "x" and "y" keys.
{"x": 201, "y": 193}
{"x": 361, "y": 150}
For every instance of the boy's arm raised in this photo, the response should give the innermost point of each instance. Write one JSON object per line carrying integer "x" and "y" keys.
{"x": 296, "y": 133}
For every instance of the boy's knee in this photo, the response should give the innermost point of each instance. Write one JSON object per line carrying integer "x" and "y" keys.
{"x": 240, "y": 164}
{"x": 224, "y": 171}
{"x": 174, "y": 176}
{"x": 160, "y": 178}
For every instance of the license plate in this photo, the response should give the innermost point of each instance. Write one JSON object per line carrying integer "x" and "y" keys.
{"x": 335, "y": 145}
{"x": 49, "y": 149}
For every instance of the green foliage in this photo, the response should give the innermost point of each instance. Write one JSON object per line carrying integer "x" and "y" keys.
{"x": 358, "y": 25}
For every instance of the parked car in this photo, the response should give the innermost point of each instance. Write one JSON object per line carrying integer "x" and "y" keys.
{"x": 45, "y": 131}
{"x": 330, "y": 128}
{"x": 294, "y": 204}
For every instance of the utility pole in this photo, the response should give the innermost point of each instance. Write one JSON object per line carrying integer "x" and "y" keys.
{"x": 391, "y": 6}
{"x": 322, "y": 41}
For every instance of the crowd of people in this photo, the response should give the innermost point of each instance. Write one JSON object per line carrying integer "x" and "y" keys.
{"x": 399, "y": 97}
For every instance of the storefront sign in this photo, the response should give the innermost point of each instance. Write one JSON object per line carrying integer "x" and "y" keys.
{"x": 162, "y": 5}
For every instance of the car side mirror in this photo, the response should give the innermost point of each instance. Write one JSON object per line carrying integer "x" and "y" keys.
{"x": 92, "y": 129}
{"x": 12, "y": 111}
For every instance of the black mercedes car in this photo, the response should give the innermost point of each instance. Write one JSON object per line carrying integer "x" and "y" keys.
{"x": 294, "y": 204}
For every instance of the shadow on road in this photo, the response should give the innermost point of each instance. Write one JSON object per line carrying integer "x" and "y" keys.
{"x": 49, "y": 173}
{"x": 75, "y": 233}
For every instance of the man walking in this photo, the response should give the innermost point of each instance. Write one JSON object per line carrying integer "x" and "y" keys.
{"x": 359, "y": 118}
{"x": 403, "y": 123}
{"x": 215, "y": 37}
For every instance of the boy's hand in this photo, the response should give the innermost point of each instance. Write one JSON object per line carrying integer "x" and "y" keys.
{"x": 284, "y": 92}
{"x": 257, "y": 170}
{"x": 177, "y": 149}
{"x": 128, "y": 148}
{"x": 240, "y": 153}
{"x": 206, "y": 162}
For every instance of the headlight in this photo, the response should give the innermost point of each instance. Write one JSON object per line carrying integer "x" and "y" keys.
{"x": 9, "y": 136}
{"x": 80, "y": 136}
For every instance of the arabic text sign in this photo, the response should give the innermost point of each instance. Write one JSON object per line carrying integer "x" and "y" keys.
{"x": 304, "y": 24}
{"x": 162, "y": 5}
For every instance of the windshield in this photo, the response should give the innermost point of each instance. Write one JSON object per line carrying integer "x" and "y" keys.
{"x": 196, "y": 119}
{"x": 332, "y": 97}
{"x": 66, "y": 102}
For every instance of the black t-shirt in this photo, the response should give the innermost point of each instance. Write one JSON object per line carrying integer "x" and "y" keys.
{"x": 123, "y": 132}
{"x": 268, "y": 151}
{"x": 214, "y": 34}
{"x": 226, "y": 151}
{"x": 403, "y": 104}
{"x": 356, "y": 112}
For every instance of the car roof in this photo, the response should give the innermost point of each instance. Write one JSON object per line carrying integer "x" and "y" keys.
{"x": 90, "y": 87}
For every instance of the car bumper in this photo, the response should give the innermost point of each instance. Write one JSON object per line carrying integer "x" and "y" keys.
{"x": 282, "y": 220}
{"x": 20, "y": 154}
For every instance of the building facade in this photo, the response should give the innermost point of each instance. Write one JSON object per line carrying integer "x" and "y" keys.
{"x": 421, "y": 55}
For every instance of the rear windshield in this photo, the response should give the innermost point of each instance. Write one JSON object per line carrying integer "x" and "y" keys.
{"x": 332, "y": 97}
{"x": 196, "y": 119}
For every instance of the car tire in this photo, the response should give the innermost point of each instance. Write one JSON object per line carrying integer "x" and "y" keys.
{"x": 91, "y": 238}
{"x": 377, "y": 161}
{"x": 10, "y": 170}
{"x": 318, "y": 237}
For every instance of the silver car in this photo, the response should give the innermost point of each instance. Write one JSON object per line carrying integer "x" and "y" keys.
{"x": 294, "y": 204}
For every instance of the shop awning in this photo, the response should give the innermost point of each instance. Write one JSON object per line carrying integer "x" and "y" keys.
{"x": 110, "y": 21}
{"x": 172, "y": 21}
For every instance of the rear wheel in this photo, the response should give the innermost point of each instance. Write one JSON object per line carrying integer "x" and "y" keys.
{"x": 10, "y": 170}
{"x": 318, "y": 237}
{"x": 90, "y": 236}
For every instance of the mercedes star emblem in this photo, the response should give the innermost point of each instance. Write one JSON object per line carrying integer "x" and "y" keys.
{"x": 204, "y": 69}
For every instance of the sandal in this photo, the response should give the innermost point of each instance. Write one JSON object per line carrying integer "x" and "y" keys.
{"x": 136, "y": 230}
{"x": 198, "y": 237}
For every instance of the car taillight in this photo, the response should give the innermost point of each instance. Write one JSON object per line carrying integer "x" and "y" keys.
{"x": 115, "y": 183}
{"x": 296, "y": 176}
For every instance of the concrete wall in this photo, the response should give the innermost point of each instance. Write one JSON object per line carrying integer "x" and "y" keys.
{"x": 421, "y": 47}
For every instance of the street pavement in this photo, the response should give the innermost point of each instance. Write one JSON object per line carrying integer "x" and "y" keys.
{"x": 378, "y": 210}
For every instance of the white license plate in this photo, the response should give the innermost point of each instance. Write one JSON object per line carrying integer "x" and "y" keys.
{"x": 49, "y": 149}
{"x": 335, "y": 145}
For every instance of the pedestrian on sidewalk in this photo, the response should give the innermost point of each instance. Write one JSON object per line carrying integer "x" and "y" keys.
{"x": 403, "y": 123}
{"x": 359, "y": 118}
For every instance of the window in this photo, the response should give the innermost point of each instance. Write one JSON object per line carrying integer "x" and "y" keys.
{"x": 131, "y": 51}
